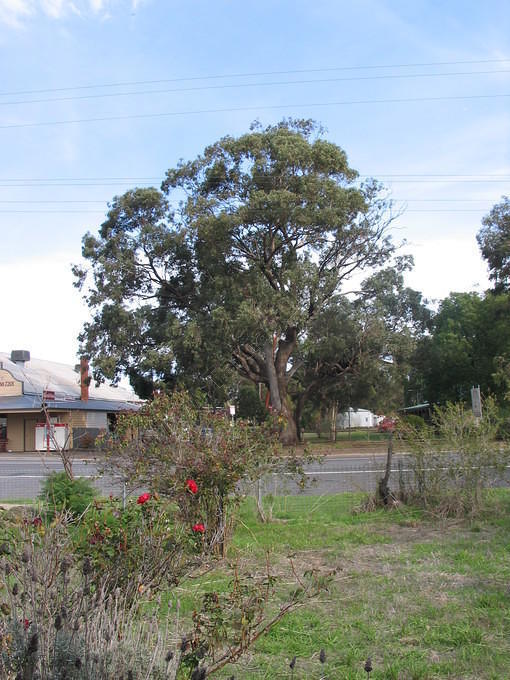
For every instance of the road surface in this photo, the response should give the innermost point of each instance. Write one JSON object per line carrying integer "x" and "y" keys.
{"x": 21, "y": 477}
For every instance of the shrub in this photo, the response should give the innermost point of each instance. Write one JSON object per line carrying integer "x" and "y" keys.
{"x": 59, "y": 618}
{"x": 54, "y": 623}
{"x": 170, "y": 442}
{"x": 416, "y": 422}
{"x": 61, "y": 493}
{"x": 140, "y": 548}
{"x": 454, "y": 459}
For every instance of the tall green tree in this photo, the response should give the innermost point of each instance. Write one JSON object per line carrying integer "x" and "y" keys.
{"x": 494, "y": 242}
{"x": 228, "y": 265}
{"x": 468, "y": 344}
{"x": 358, "y": 351}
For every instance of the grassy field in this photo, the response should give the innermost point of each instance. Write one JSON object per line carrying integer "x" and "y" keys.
{"x": 423, "y": 598}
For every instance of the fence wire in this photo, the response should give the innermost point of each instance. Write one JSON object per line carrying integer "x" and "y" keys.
{"x": 318, "y": 482}
{"x": 353, "y": 477}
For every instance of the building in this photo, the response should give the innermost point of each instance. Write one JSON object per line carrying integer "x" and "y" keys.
{"x": 45, "y": 405}
{"x": 357, "y": 418}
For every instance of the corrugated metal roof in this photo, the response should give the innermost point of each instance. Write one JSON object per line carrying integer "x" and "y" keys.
{"x": 31, "y": 402}
{"x": 38, "y": 375}
{"x": 24, "y": 403}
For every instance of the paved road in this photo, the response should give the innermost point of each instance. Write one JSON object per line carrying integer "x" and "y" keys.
{"x": 21, "y": 477}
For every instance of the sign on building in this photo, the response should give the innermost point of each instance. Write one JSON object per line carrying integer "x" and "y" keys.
{"x": 9, "y": 386}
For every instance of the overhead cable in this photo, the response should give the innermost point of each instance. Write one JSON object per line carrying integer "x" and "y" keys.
{"x": 255, "y": 74}
{"x": 272, "y": 107}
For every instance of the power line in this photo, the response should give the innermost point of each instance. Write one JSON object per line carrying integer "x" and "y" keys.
{"x": 68, "y": 179}
{"x": 427, "y": 210}
{"x": 66, "y": 184}
{"x": 255, "y": 74}
{"x": 451, "y": 174}
{"x": 158, "y": 178}
{"x": 55, "y": 201}
{"x": 227, "y": 86}
{"x": 272, "y": 107}
{"x": 43, "y": 212}
{"x": 393, "y": 198}
{"x": 127, "y": 184}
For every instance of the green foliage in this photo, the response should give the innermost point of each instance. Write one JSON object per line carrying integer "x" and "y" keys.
{"x": 413, "y": 421}
{"x": 357, "y": 353}
{"x": 273, "y": 224}
{"x": 454, "y": 459}
{"x": 469, "y": 344}
{"x": 249, "y": 404}
{"x": 58, "y": 621}
{"x": 139, "y": 549}
{"x": 61, "y": 493}
{"x": 64, "y": 613}
{"x": 228, "y": 622}
{"x": 494, "y": 241}
{"x": 170, "y": 443}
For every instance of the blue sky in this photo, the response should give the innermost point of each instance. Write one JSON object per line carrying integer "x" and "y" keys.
{"x": 249, "y": 60}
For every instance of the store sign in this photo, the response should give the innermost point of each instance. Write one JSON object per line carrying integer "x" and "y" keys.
{"x": 9, "y": 386}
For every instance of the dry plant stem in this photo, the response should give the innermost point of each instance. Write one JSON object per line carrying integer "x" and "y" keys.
{"x": 234, "y": 654}
{"x": 63, "y": 451}
{"x": 383, "y": 489}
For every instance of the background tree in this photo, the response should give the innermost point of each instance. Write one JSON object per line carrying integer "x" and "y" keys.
{"x": 268, "y": 228}
{"x": 358, "y": 350}
{"x": 468, "y": 344}
{"x": 494, "y": 241}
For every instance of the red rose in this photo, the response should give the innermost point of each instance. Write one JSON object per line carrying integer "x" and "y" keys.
{"x": 143, "y": 498}
{"x": 199, "y": 528}
{"x": 192, "y": 486}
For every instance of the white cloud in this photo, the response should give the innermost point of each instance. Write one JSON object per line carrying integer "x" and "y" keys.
{"x": 15, "y": 12}
{"x": 54, "y": 8}
{"x": 96, "y": 5}
{"x": 46, "y": 313}
{"x": 443, "y": 266}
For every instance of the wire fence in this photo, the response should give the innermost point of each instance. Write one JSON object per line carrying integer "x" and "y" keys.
{"x": 353, "y": 476}
{"x": 29, "y": 487}
{"x": 362, "y": 478}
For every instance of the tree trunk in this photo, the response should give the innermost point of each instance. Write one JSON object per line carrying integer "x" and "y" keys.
{"x": 271, "y": 367}
{"x": 298, "y": 412}
{"x": 332, "y": 421}
{"x": 384, "y": 484}
{"x": 273, "y": 380}
{"x": 289, "y": 434}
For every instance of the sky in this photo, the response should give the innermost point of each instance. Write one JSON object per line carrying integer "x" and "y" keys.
{"x": 99, "y": 96}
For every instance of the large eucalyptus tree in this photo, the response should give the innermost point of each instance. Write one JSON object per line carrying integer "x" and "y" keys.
{"x": 229, "y": 264}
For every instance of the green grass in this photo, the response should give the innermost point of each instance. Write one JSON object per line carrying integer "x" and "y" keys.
{"x": 423, "y": 599}
{"x": 343, "y": 436}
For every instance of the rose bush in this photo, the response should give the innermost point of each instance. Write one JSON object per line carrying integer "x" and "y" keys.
{"x": 142, "y": 546}
{"x": 196, "y": 457}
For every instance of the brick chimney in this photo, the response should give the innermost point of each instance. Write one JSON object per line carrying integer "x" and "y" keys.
{"x": 84, "y": 378}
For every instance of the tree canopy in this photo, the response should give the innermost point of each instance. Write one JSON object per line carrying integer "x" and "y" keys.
{"x": 227, "y": 268}
{"x": 494, "y": 241}
{"x": 468, "y": 344}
